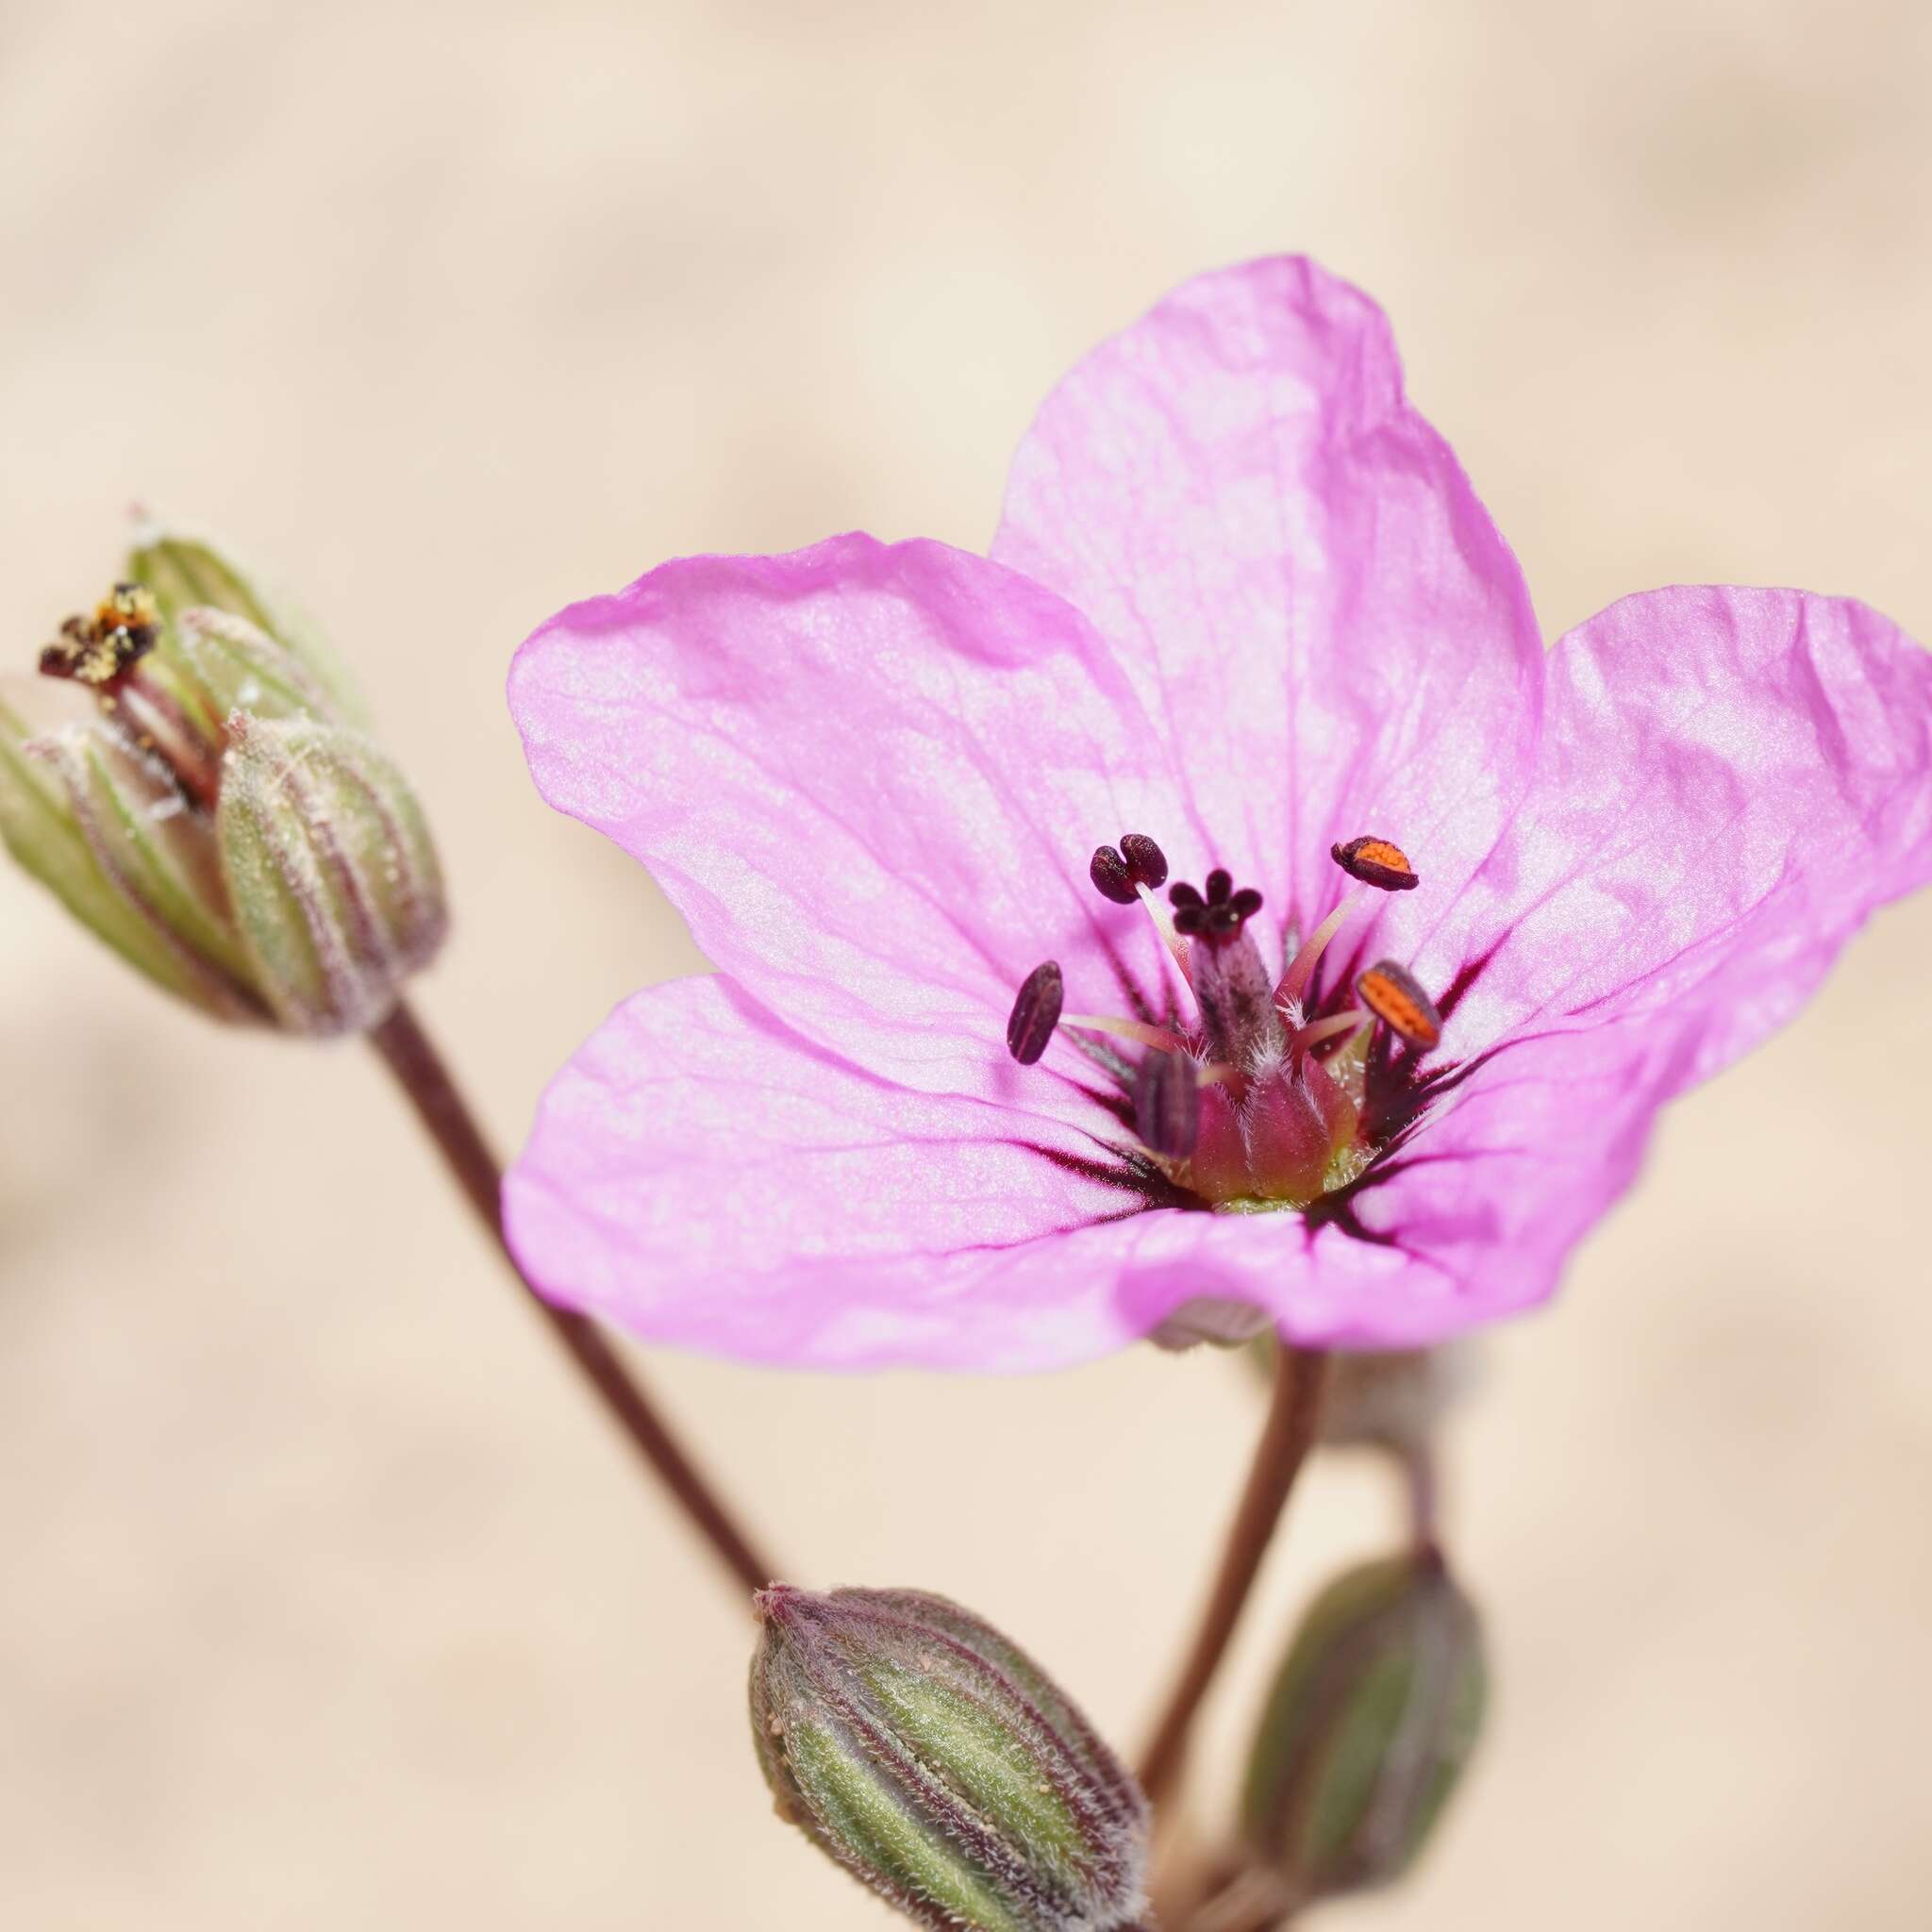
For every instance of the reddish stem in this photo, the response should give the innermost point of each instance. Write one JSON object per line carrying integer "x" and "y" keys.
{"x": 1294, "y": 1413}
{"x": 418, "y": 1070}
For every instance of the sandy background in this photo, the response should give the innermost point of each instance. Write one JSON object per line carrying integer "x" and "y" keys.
{"x": 326, "y": 1603}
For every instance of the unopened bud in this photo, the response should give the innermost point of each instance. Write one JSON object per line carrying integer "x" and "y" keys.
{"x": 336, "y": 889}
{"x": 185, "y": 572}
{"x": 1395, "y": 1398}
{"x": 1370, "y": 1721}
{"x": 99, "y": 820}
{"x": 237, "y": 666}
{"x": 933, "y": 1761}
{"x": 191, "y": 777}
{"x": 1219, "y": 1321}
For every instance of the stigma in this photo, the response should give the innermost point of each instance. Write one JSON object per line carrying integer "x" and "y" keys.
{"x": 1259, "y": 1097}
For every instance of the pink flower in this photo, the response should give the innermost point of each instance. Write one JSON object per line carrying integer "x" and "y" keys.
{"x": 1245, "y": 604}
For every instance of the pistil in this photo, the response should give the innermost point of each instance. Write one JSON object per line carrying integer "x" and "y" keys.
{"x": 1230, "y": 981}
{"x": 1237, "y": 1110}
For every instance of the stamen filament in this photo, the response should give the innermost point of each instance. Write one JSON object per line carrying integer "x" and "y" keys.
{"x": 1316, "y": 1031}
{"x": 1295, "y": 982}
{"x": 1157, "y": 1037}
{"x": 1163, "y": 925}
{"x": 155, "y": 717}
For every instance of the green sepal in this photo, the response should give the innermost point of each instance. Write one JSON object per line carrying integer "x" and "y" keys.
{"x": 335, "y": 884}
{"x": 939, "y": 1765}
{"x": 105, "y": 830}
{"x": 1373, "y": 1716}
{"x": 187, "y": 571}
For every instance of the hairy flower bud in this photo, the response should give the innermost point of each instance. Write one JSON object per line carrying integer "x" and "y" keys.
{"x": 1395, "y": 1398}
{"x": 185, "y": 572}
{"x": 933, "y": 1761}
{"x": 335, "y": 885}
{"x": 192, "y": 778}
{"x": 100, "y": 821}
{"x": 233, "y": 665}
{"x": 1375, "y": 1711}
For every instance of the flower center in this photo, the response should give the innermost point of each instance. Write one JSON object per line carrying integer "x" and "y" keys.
{"x": 1286, "y": 1082}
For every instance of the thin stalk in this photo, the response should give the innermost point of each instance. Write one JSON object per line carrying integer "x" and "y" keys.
{"x": 1294, "y": 1413}
{"x": 420, "y": 1071}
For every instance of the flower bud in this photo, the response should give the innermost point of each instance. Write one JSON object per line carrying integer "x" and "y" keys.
{"x": 1219, "y": 1321}
{"x": 98, "y": 820}
{"x": 1395, "y": 1398}
{"x": 191, "y": 777}
{"x": 232, "y": 665}
{"x": 924, "y": 1753}
{"x": 336, "y": 889}
{"x": 186, "y": 572}
{"x": 1375, "y": 1711}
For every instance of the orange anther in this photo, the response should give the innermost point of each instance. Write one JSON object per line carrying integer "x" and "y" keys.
{"x": 1391, "y": 994}
{"x": 1376, "y": 862}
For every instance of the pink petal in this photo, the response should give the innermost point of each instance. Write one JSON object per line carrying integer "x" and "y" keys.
{"x": 869, "y": 775}
{"x": 1300, "y": 580}
{"x": 1728, "y": 783}
{"x": 1477, "y": 1214}
{"x": 702, "y": 1176}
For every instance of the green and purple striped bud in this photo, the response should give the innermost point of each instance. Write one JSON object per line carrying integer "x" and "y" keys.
{"x": 185, "y": 572}
{"x": 192, "y": 776}
{"x": 336, "y": 890}
{"x": 939, "y": 1765}
{"x": 1373, "y": 1717}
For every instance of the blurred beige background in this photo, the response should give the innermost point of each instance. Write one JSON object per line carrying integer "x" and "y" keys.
{"x": 326, "y": 1601}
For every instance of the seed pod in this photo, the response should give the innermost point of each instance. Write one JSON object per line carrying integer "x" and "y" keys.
{"x": 933, "y": 1761}
{"x": 336, "y": 888}
{"x": 1375, "y": 1711}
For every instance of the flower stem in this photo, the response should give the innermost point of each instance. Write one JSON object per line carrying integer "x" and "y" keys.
{"x": 419, "y": 1070}
{"x": 1295, "y": 1412}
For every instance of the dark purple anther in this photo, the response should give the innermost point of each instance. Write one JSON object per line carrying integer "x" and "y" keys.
{"x": 1167, "y": 1105}
{"x": 1036, "y": 1013}
{"x": 1147, "y": 861}
{"x": 1113, "y": 878}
